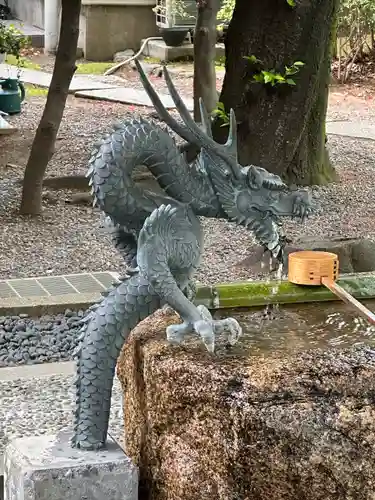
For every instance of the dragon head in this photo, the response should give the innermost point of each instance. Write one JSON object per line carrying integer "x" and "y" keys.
{"x": 250, "y": 195}
{"x": 258, "y": 199}
{"x": 270, "y": 195}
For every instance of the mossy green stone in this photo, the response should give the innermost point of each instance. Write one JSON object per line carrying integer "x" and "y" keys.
{"x": 259, "y": 293}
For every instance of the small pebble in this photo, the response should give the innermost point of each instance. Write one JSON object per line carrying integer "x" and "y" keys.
{"x": 26, "y": 340}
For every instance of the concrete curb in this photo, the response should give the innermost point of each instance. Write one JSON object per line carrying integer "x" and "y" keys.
{"x": 47, "y": 305}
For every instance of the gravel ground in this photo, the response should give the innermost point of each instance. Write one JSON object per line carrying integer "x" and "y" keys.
{"x": 44, "y": 405}
{"x": 68, "y": 238}
{"x": 49, "y": 338}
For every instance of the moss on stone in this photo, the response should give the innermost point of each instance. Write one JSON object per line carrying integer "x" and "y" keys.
{"x": 259, "y": 293}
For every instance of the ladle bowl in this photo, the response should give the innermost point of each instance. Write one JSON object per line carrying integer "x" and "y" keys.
{"x": 316, "y": 268}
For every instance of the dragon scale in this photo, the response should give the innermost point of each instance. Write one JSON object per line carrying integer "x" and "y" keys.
{"x": 102, "y": 338}
{"x": 138, "y": 142}
{"x": 160, "y": 237}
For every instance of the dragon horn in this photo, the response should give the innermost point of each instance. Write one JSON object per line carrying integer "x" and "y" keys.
{"x": 231, "y": 143}
{"x": 200, "y": 137}
{"x": 160, "y": 108}
{"x": 205, "y": 119}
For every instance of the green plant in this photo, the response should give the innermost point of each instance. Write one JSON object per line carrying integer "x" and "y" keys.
{"x": 222, "y": 114}
{"x": 253, "y": 59}
{"x": 220, "y": 61}
{"x": 273, "y": 77}
{"x": 227, "y": 7}
{"x": 356, "y": 34}
{"x": 12, "y": 41}
{"x": 93, "y": 68}
{"x": 35, "y": 91}
{"x": 23, "y": 62}
{"x": 226, "y": 12}
{"x": 174, "y": 7}
{"x": 154, "y": 60}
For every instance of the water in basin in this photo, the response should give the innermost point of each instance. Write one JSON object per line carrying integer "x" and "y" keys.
{"x": 300, "y": 327}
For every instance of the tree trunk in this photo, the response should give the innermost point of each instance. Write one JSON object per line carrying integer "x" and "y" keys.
{"x": 45, "y": 137}
{"x": 204, "y": 56}
{"x": 281, "y": 128}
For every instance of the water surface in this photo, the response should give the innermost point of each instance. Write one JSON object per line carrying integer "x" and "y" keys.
{"x": 300, "y": 327}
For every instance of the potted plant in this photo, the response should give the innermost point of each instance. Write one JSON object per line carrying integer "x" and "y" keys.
{"x": 173, "y": 36}
{"x": 12, "y": 42}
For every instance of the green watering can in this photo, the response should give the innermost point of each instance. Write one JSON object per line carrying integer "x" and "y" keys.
{"x": 10, "y": 96}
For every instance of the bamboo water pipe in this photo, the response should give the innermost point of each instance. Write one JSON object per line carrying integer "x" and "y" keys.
{"x": 316, "y": 268}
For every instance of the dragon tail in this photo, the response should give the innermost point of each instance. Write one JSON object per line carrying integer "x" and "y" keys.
{"x": 104, "y": 333}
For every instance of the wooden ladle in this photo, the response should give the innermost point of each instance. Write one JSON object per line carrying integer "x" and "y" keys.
{"x": 322, "y": 268}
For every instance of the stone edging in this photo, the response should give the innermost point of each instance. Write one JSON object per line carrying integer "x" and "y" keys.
{"x": 54, "y": 304}
{"x": 226, "y": 295}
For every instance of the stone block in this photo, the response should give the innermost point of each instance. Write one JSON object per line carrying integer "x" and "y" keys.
{"x": 47, "y": 468}
{"x": 123, "y": 55}
{"x": 356, "y": 255}
{"x": 248, "y": 424}
{"x": 108, "y": 29}
{"x": 159, "y": 50}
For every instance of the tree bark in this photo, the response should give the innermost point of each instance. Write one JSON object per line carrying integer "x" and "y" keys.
{"x": 281, "y": 128}
{"x": 45, "y": 137}
{"x": 204, "y": 56}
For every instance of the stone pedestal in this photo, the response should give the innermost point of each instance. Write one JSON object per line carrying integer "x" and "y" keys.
{"x": 47, "y": 468}
{"x": 158, "y": 49}
{"x": 271, "y": 425}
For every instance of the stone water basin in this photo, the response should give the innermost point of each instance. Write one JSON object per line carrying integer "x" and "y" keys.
{"x": 299, "y": 328}
{"x": 286, "y": 414}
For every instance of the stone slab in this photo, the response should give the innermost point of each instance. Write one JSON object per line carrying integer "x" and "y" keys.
{"x": 47, "y": 468}
{"x": 130, "y": 96}
{"x": 24, "y": 28}
{"x": 159, "y": 50}
{"x": 6, "y": 128}
{"x": 9, "y": 373}
{"x": 355, "y": 129}
{"x": 42, "y": 79}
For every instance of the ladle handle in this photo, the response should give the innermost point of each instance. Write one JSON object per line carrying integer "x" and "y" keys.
{"x": 349, "y": 299}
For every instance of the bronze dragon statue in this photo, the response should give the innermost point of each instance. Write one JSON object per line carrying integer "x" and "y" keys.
{"x": 161, "y": 239}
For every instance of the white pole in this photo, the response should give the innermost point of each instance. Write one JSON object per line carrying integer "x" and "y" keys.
{"x": 51, "y": 24}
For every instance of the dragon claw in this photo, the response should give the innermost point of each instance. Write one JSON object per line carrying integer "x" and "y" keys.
{"x": 206, "y": 328}
{"x": 176, "y": 333}
{"x": 131, "y": 271}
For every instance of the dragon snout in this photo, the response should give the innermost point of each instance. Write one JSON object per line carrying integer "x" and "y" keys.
{"x": 293, "y": 204}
